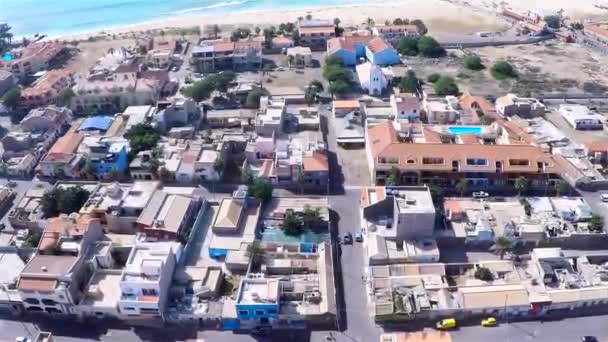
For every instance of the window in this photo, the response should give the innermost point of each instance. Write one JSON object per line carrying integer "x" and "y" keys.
{"x": 272, "y": 311}
{"x": 432, "y": 161}
{"x": 148, "y": 292}
{"x": 411, "y": 161}
{"x": 127, "y": 308}
{"x": 48, "y": 302}
{"x": 32, "y": 301}
{"x": 244, "y": 312}
{"x": 519, "y": 162}
{"x": 260, "y": 312}
{"x": 477, "y": 162}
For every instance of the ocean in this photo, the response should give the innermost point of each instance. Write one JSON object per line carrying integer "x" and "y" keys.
{"x": 61, "y": 17}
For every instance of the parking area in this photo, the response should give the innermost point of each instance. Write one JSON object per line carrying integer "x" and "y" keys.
{"x": 577, "y": 136}
{"x": 354, "y": 166}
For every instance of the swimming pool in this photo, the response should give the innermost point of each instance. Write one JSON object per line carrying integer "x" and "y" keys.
{"x": 464, "y": 129}
{"x": 8, "y": 56}
{"x": 271, "y": 234}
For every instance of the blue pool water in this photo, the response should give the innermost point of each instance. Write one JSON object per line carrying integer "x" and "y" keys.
{"x": 464, "y": 129}
{"x": 277, "y": 235}
{"x": 8, "y": 56}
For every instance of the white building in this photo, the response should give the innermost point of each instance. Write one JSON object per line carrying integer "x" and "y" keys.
{"x": 405, "y": 107}
{"x": 442, "y": 112}
{"x": 580, "y": 117}
{"x": 371, "y": 78}
{"x": 270, "y": 118}
{"x": 146, "y": 278}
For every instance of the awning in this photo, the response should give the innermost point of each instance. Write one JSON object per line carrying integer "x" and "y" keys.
{"x": 231, "y": 324}
{"x": 217, "y": 253}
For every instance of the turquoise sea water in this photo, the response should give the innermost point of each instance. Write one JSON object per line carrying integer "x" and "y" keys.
{"x": 57, "y": 17}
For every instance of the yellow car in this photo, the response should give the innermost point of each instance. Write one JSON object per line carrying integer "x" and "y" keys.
{"x": 488, "y": 322}
{"x": 444, "y": 324}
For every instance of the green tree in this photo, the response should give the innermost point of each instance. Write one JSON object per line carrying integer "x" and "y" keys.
{"x": 596, "y": 223}
{"x": 268, "y": 33}
{"x": 472, "y": 62}
{"x": 11, "y": 98}
{"x": 315, "y": 87}
{"x": 446, "y": 85}
{"x": 253, "y": 98}
{"x": 339, "y": 88}
{"x": 200, "y": 90}
{"x": 292, "y": 223}
{"x": 484, "y": 273}
{"x": 261, "y": 189}
{"x": 142, "y": 137}
{"x": 521, "y": 185}
{"x": 434, "y": 77}
{"x": 398, "y": 21}
{"x": 429, "y": 47}
{"x": 394, "y": 177}
{"x": 502, "y": 70}
{"x": 215, "y": 30}
{"x": 408, "y": 46}
{"x": 560, "y": 186}
{"x": 308, "y": 16}
{"x": 255, "y": 251}
{"x": 462, "y": 186}
{"x": 369, "y": 22}
{"x": 337, "y": 21}
{"x": 311, "y": 216}
{"x": 578, "y": 26}
{"x": 63, "y": 200}
{"x": 33, "y": 240}
{"x": 553, "y": 21}
{"x": 65, "y": 96}
{"x": 409, "y": 83}
{"x": 422, "y": 29}
{"x": 257, "y": 30}
{"x": 113, "y": 174}
{"x": 502, "y": 245}
{"x": 6, "y": 37}
{"x": 221, "y": 82}
{"x": 246, "y": 174}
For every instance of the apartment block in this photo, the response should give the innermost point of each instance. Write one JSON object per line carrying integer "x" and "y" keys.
{"x": 393, "y": 33}
{"x": 146, "y": 278}
{"x": 443, "y": 155}
{"x": 46, "y": 89}
{"x": 62, "y": 160}
{"x": 31, "y": 59}
{"x": 226, "y": 55}
{"x": 314, "y": 33}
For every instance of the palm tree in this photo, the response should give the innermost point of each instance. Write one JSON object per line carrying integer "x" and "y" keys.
{"x": 502, "y": 245}
{"x": 337, "y": 21}
{"x": 216, "y": 30}
{"x": 255, "y": 251}
{"x": 369, "y": 22}
{"x": 462, "y": 186}
{"x": 521, "y": 185}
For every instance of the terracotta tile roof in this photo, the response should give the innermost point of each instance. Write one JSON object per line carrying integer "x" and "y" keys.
{"x": 597, "y": 146}
{"x": 377, "y": 44}
{"x": 36, "y": 284}
{"x": 476, "y": 102}
{"x": 52, "y": 81}
{"x": 600, "y": 29}
{"x": 317, "y": 29}
{"x": 452, "y": 205}
{"x": 67, "y": 144}
{"x": 316, "y": 163}
{"x": 346, "y": 104}
{"x": 431, "y": 136}
{"x": 223, "y": 46}
{"x": 281, "y": 40}
{"x": 383, "y": 142}
{"x": 347, "y": 43}
{"x": 364, "y": 198}
{"x": 57, "y": 226}
{"x": 469, "y": 138}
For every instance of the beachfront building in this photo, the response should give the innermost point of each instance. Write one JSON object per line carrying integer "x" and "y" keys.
{"x": 444, "y": 155}
{"x": 31, "y": 59}
{"x": 314, "y": 33}
{"x": 392, "y": 33}
{"x": 45, "y": 90}
{"x": 374, "y": 49}
{"x": 213, "y": 56}
{"x": 114, "y": 91}
{"x": 161, "y": 56}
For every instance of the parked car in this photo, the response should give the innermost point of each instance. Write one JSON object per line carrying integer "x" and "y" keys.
{"x": 348, "y": 239}
{"x": 444, "y": 324}
{"x": 589, "y": 339}
{"x": 488, "y": 322}
{"x": 604, "y": 196}
{"x": 359, "y": 237}
{"x": 2, "y": 226}
{"x": 480, "y": 194}
{"x": 22, "y": 339}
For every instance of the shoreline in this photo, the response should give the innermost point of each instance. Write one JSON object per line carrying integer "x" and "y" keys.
{"x": 433, "y": 12}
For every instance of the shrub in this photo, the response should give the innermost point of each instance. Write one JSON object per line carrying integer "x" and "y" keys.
{"x": 502, "y": 70}
{"x": 429, "y": 47}
{"x": 483, "y": 273}
{"x": 472, "y": 62}
{"x": 432, "y": 78}
{"x": 446, "y": 85}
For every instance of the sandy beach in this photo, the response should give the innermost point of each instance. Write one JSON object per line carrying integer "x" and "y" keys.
{"x": 439, "y": 15}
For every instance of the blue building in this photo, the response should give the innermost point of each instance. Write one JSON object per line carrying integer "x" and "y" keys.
{"x": 257, "y": 302}
{"x": 374, "y": 49}
{"x": 105, "y": 156}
